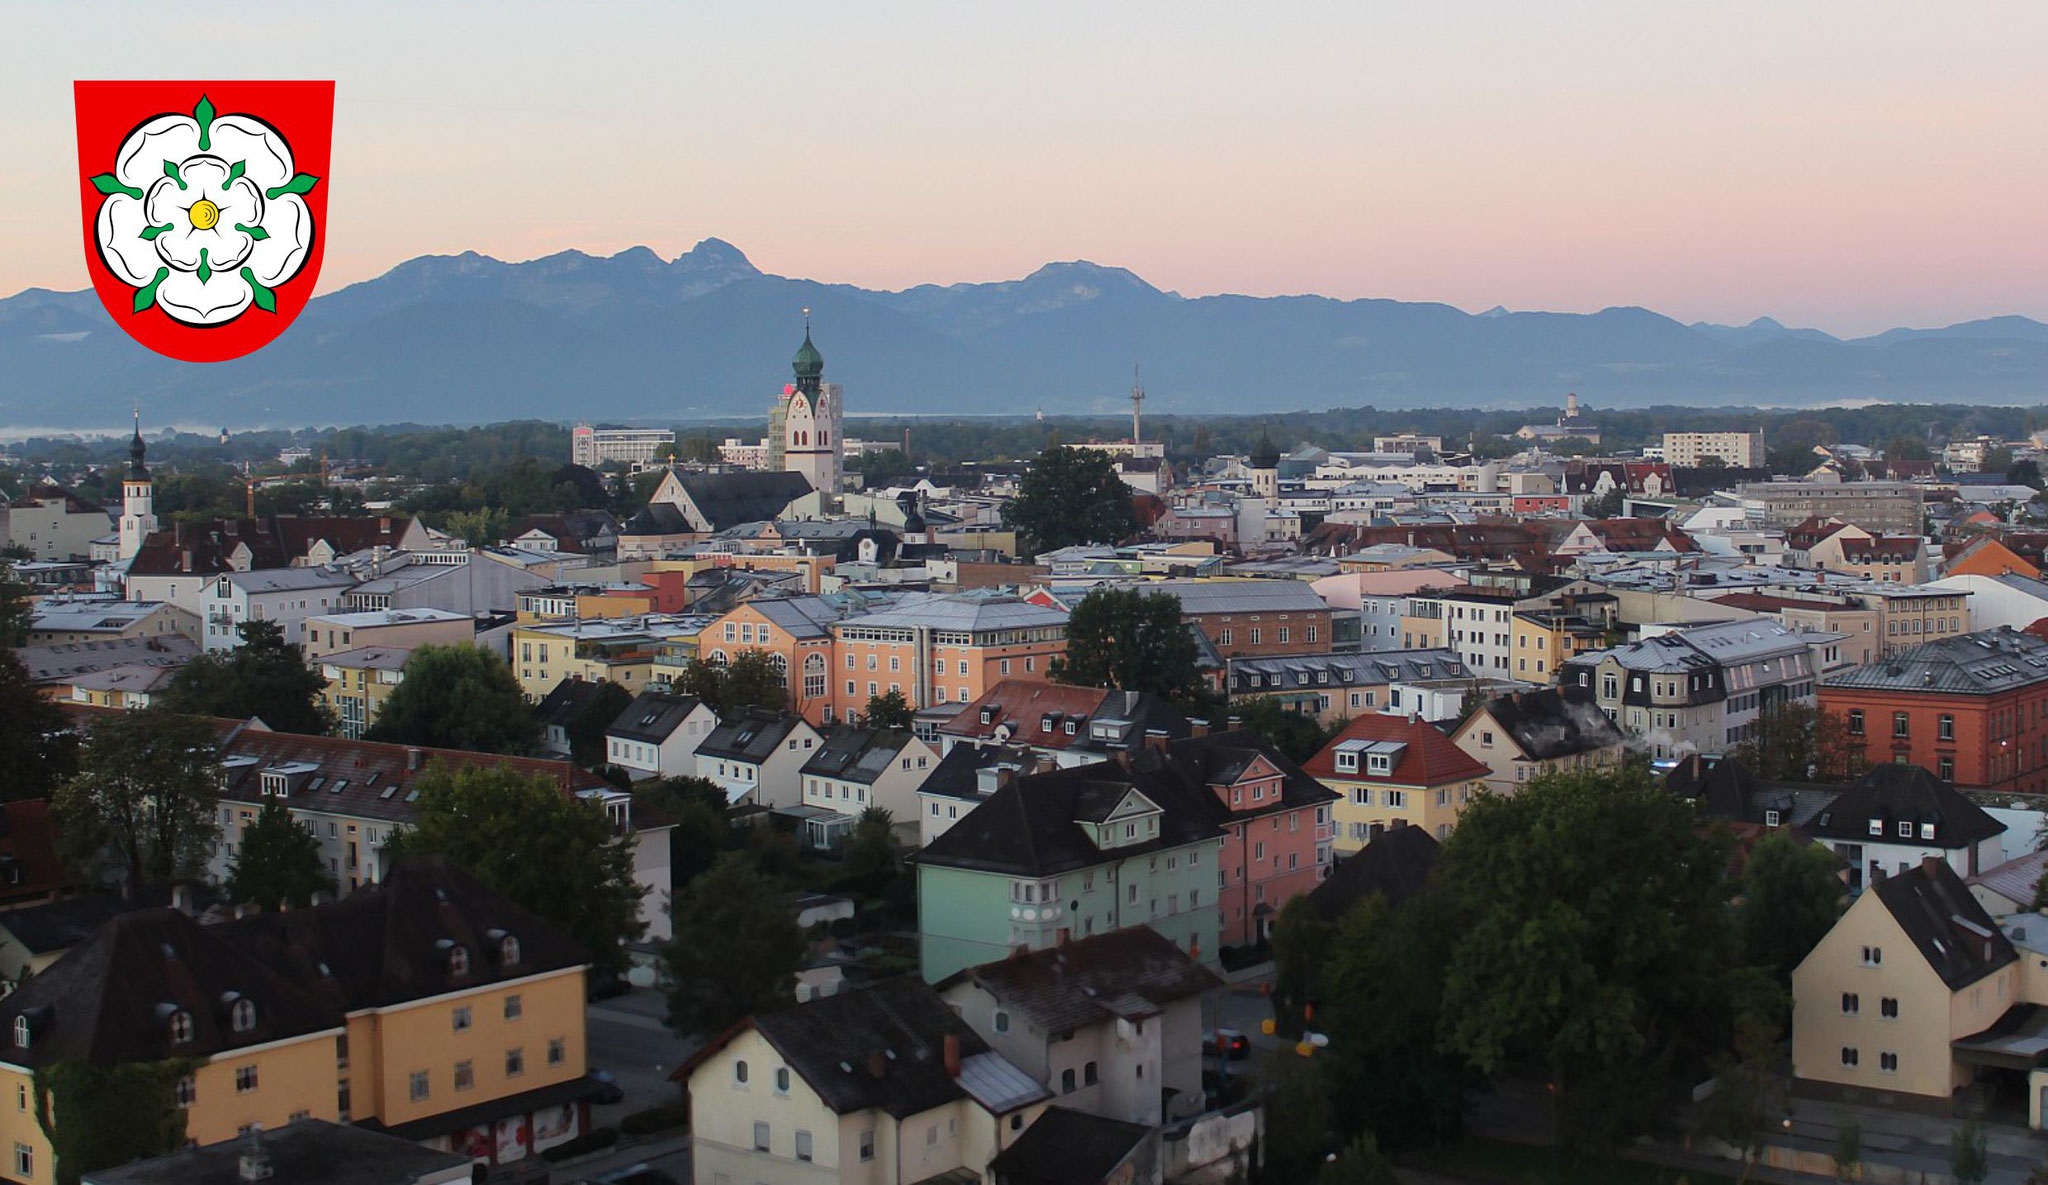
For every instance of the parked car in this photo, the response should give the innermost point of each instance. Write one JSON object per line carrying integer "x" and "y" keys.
{"x": 1227, "y": 1043}
{"x": 607, "y": 1089}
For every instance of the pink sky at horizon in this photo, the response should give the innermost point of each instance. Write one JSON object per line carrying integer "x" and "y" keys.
{"x": 1851, "y": 166}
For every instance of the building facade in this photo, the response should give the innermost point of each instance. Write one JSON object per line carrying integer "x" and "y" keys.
{"x": 1394, "y": 771}
{"x": 1971, "y": 709}
{"x": 1736, "y": 450}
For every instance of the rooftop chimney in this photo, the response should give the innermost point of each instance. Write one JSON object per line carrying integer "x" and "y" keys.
{"x": 1198, "y": 728}
{"x": 878, "y": 1064}
{"x": 1931, "y": 865}
{"x": 952, "y": 1055}
{"x": 412, "y": 757}
{"x": 255, "y": 1161}
{"x": 1156, "y": 738}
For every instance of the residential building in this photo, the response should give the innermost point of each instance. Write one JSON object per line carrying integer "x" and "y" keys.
{"x": 688, "y": 507}
{"x": 303, "y": 1152}
{"x": 1972, "y": 709}
{"x": 469, "y": 583}
{"x": 558, "y": 710}
{"x": 1393, "y": 771}
{"x": 615, "y": 650}
{"x": 388, "y": 629}
{"x": 1393, "y": 867}
{"x": 1064, "y": 1147}
{"x": 883, "y": 1085}
{"x": 1408, "y": 443}
{"x": 964, "y": 776}
{"x": 758, "y": 756}
{"x": 430, "y": 1008}
{"x": 855, "y": 768}
{"x": 286, "y": 597}
{"x": 658, "y": 734}
{"x": 53, "y": 523}
{"x": 1203, "y": 839}
{"x": 1833, "y": 545}
{"x": 1819, "y": 611}
{"x": 795, "y": 632}
{"x": 1477, "y": 620}
{"x": 1907, "y": 999}
{"x": 1546, "y": 639}
{"x": 1111, "y": 1024}
{"x": 63, "y": 620}
{"x": 2010, "y": 887}
{"x": 937, "y": 649}
{"x": 359, "y": 681}
{"x": 177, "y": 564}
{"x": 1333, "y": 687}
{"x": 1379, "y": 594}
{"x": 1700, "y": 689}
{"x": 1894, "y": 816}
{"x": 1911, "y": 614}
{"x": 591, "y": 447}
{"x": 1886, "y": 507}
{"x": 1520, "y": 738}
{"x": 2008, "y": 600}
{"x": 1064, "y": 723}
{"x": 55, "y": 671}
{"x": 1986, "y": 555}
{"x": 1738, "y": 450}
{"x": 1253, "y": 618}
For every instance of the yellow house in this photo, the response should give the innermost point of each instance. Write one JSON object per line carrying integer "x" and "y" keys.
{"x": 1522, "y": 737}
{"x": 1393, "y": 771}
{"x": 620, "y": 650}
{"x": 427, "y": 1005}
{"x": 1547, "y": 638}
{"x": 358, "y": 683}
{"x": 1915, "y": 994}
{"x": 879, "y": 1086}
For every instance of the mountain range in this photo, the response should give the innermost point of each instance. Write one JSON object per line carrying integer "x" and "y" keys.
{"x": 633, "y": 337}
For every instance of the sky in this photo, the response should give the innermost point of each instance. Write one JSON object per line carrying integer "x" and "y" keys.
{"x": 1850, "y": 166}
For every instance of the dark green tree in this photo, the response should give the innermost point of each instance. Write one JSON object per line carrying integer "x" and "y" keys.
{"x": 1849, "y": 1153}
{"x": 16, "y": 611}
{"x": 736, "y": 949}
{"x": 1607, "y": 505}
{"x": 264, "y": 677}
{"x": 1792, "y": 894}
{"x": 2025, "y": 473}
{"x": 1968, "y": 1161}
{"x": 1594, "y": 938}
{"x": 1491, "y": 446}
{"x": 1301, "y": 943}
{"x": 458, "y": 697}
{"x": 697, "y": 807}
{"x": 887, "y": 710}
{"x": 587, "y": 726}
{"x": 37, "y": 750}
{"x": 278, "y": 864}
{"x": 871, "y": 862}
{"x": 1296, "y": 734}
{"x": 555, "y": 854}
{"x": 1298, "y": 1135}
{"x": 1798, "y": 742}
{"x": 1360, "y": 1163}
{"x": 100, "y": 1117}
{"x": 750, "y": 680}
{"x": 1130, "y": 640}
{"x": 1070, "y": 497}
{"x": 142, "y": 806}
{"x": 1905, "y": 447}
{"x": 1749, "y": 1097}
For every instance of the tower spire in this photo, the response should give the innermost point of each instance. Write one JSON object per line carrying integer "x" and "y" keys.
{"x": 1137, "y": 402}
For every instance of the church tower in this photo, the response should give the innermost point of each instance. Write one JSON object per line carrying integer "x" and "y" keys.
{"x": 138, "y": 502}
{"x": 1265, "y": 467}
{"x": 804, "y": 431}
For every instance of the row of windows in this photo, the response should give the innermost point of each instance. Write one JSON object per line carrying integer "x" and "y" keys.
{"x": 1887, "y": 1007}
{"x": 1226, "y": 637}
{"x": 419, "y": 1086}
{"x": 1887, "y": 1062}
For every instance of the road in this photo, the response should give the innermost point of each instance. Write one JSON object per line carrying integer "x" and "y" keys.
{"x": 626, "y": 1036}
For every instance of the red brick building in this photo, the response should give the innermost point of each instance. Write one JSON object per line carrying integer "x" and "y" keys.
{"x": 1972, "y": 709}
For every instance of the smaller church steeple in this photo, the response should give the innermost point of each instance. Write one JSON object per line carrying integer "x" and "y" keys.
{"x": 138, "y": 500}
{"x": 137, "y": 470}
{"x": 808, "y": 364}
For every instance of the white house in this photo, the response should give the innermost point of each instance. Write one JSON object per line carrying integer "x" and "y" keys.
{"x": 756, "y": 756}
{"x": 2009, "y": 599}
{"x": 287, "y": 596}
{"x": 858, "y": 768}
{"x": 658, "y": 734}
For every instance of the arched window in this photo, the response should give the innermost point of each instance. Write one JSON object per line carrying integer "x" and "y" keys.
{"x": 739, "y": 1072}
{"x": 244, "y": 1015}
{"x": 21, "y": 1032}
{"x": 508, "y": 950}
{"x": 458, "y": 960}
{"x": 181, "y": 1027}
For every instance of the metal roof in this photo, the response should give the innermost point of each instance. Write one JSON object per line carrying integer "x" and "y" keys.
{"x": 1973, "y": 664}
{"x": 962, "y": 611}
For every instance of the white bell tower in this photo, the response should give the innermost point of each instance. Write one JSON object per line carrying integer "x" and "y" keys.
{"x": 138, "y": 499}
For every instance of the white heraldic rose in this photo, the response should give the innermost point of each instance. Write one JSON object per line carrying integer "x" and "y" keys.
{"x": 204, "y": 215}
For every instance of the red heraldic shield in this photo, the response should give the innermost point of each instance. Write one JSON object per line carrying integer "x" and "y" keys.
{"x": 205, "y": 208}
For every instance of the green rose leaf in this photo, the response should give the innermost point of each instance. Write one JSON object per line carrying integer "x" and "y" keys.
{"x": 171, "y": 171}
{"x": 300, "y": 183}
{"x": 254, "y": 232}
{"x": 107, "y": 183}
{"x": 149, "y": 233}
{"x": 146, "y": 296}
{"x": 204, "y": 114}
{"x": 205, "y": 271}
{"x": 265, "y": 298}
{"x": 234, "y": 171}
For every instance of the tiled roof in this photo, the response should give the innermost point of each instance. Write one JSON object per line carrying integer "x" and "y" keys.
{"x": 560, "y": 705}
{"x": 859, "y": 755}
{"x": 1200, "y": 597}
{"x": 749, "y": 736}
{"x": 1890, "y": 794}
{"x": 1068, "y": 1147}
{"x": 1394, "y": 866}
{"x": 273, "y": 542}
{"x": 1028, "y": 712}
{"x": 1947, "y": 926}
{"x": 2015, "y": 880}
{"x": 1980, "y": 663}
{"x": 49, "y": 664}
{"x": 1428, "y": 757}
{"x": 1125, "y": 974}
{"x": 1554, "y": 723}
{"x": 653, "y": 716}
{"x": 1303, "y": 672}
{"x": 723, "y": 499}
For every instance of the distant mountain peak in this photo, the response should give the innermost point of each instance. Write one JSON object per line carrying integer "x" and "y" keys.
{"x": 1499, "y": 310}
{"x": 1766, "y": 323}
{"x": 716, "y": 255}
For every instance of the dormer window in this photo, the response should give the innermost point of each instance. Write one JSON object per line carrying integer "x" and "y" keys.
{"x": 242, "y": 1016}
{"x": 1347, "y": 763}
{"x": 1877, "y": 827}
{"x": 508, "y": 950}
{"x": 1379, "y": 763}
{"x": 1070, "y": 728}
{"x": 181, "y": 1027}
{"x": 1905, "y": 829}
{"x": 21, "y": 1034}
{"x": 458, "y": 960}
{"x": 1926, "y": 831}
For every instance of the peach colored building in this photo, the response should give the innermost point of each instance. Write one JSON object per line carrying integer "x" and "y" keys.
{"x": 796, "y": 634}
{"x": 938, "y": 649}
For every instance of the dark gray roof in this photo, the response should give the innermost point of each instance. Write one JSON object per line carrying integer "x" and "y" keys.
{"x": 60, "y": 925}
{"x": 751, "y": 736}
{"x": 1554, "y": 723}
{"x": 303, "y": 1152}
{"x": 1725, "y": 788}
{"x": 729, "y": 499}
{"x": 1947, "y": 925}
{"x": 858, "y": 755}
{"x": 1394, "y": 866}
{"x": 1972, "y": 664}
{"x": 1125, "y": 974}
{"x": 559, "y": 706}
{"x": 1069, "y": 1148}
{"x": 1891, "y": 793}
{"x": 958, "y": 773}
{"x": 1370, "y": 668}
{"x": 653, "y": 716}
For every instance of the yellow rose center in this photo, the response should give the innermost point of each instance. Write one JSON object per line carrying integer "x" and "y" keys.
{"x": 204, "y": 214}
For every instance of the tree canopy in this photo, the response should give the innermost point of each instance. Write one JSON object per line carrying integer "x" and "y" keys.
{"x": 142, "y": 806}
{"x": 265, "y": 676}
{"x": 1792, "y": 894}
{"x": 1068, "y": 497}
{"x": 736, "y": 949}
{"x": 1296, "y": 734}
{"x": 37, "y": 751}
{"x": 554, "y": 854}
{"x": 750, "y": 680}
{"x": 1130, "y": 640}
{"x": 1797, "y": 742}
{"x": 587, "y": 726}
{"x": 277, "y": 865}
{"x": 888, "y": 710}
{"x": 458, "y": 697}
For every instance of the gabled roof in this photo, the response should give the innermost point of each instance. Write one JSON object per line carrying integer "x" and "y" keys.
{"x": 1029, "y": 712}
{"x": 1554, "y": 723}
{"x": 751, "y": 736}
{"x": 1127, "y": 974}
{"x": 1067, "y": 1147}
{"x": 858, "y": 755}
{"x": 1890, "y": 794}
{"x": 653, "y": 716}
{"x": 720, "y": 500}
{"x": 560, "y": 705}
{"x": 1394, "y": 865}
{"x": 2016, "y": 879}
{"x": 1428, "y": 757}
{"x": 273, "y": 542}
{"x": 1947, "y": 926}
